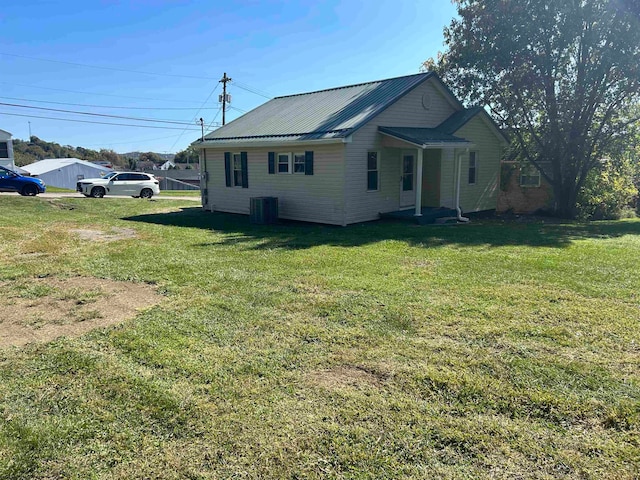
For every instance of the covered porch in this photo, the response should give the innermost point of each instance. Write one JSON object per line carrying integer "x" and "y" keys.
{"x": 430, "y": 164}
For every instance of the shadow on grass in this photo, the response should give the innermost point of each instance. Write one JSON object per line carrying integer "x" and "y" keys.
{"x": 299, "y": 235}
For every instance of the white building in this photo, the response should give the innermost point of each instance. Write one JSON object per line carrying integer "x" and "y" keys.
{"x": 6, "y": 150}
{"x": 65, "y": 172}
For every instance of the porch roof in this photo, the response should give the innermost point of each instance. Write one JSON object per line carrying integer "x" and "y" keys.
{"x": 425, "y": 137}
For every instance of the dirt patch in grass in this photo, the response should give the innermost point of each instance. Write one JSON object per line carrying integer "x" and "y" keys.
{"x": 101, "y": 236}
{"x": 344, "y": 376}
{"x": 42, "y": 309}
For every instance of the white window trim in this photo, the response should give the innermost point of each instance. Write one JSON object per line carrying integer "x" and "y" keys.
{"x": 377, "y": 152}
{"x": 7, "y": 147}
{"x": 233, "y": 170}
{"x": 289, "y": 163}
{"x": 475, "y": 176}
{"x": 526, "y": 171}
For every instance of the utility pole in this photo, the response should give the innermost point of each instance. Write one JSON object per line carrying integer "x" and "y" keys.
{"x": 29, "y": 131}
{"x": 202, "y": 128}
{"x": 224, "y": 81}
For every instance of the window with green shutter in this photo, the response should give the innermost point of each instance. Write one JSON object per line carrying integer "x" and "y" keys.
{"x": 373, "y": 177}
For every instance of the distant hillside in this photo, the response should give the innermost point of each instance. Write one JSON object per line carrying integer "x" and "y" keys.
{"x": 136, "y": 155}
{"x": 37, "y": 149}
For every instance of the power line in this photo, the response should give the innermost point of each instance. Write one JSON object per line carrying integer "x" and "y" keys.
{"x": 131, "y": 141}
{"x": 246, "y": 87}
{"x": 214, "y": 119}
{"x": 93, "y": 114}
{"x": 88, "y": 93}
{"x": 75, "y": 64}
{"x": 196, "y": 115}
{"x": 103, "y": 106}
{"x": 89, "y": 121}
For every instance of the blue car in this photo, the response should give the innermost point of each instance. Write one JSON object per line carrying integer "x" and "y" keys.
{"x": 11, "y": 181}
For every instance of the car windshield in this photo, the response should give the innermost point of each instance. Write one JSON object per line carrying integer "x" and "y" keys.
{"x": 109, "y": 175}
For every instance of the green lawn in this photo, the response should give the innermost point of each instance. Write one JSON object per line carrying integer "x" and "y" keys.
{"x": 381, "y": 350}
{"x": 180, "y": 193}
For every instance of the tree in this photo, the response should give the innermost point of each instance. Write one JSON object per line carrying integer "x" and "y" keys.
{"x": 189, "y": 155}
{"x": 150, "y": 157}
{"x": 111, "y": 157}
{"x": 559, "y": 75}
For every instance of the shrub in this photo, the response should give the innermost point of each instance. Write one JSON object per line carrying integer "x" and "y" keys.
{"x": 608, "y": 191}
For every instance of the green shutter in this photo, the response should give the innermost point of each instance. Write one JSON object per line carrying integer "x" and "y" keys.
{"x": 272, "y": 163}
{"x": 245, "y": 173}
{"x": 227, "y": 168}
{"x": 308, "y": 163}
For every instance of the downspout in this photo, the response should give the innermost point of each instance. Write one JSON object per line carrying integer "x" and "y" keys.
{"x": 459, "y": 216}
{"x": 204, "y": 179}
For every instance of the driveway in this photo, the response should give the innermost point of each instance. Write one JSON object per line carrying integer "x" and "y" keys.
{"x": 78, "y": 195}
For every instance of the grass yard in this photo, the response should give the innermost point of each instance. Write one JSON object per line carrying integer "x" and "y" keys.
{"x": 382, "y": 350}
{"x": 180, "y": 193}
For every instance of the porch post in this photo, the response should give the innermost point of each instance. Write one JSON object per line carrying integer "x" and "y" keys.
{"x": 419, "y": 185}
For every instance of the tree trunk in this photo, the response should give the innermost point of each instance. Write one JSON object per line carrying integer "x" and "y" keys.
{"x": 566, "y": 198}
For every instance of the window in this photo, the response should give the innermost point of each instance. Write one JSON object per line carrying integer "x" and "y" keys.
{"x": 407, "y": 173}
{"x": 473, "y": 167}
{"x": 4, "y": 150}
{"x": 301, "y": 163}
{"x": 372, "y": 172}
{"x": 284, "y": 159}
{"x": 529, "y": 176}
{"x": 237, "y": 170}
{"x": 298, "y": 162}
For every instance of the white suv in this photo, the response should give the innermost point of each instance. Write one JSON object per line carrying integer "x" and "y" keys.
{"x": 135, "y": 184}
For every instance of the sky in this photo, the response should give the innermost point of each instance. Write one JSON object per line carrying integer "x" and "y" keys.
{"x": 162, "y": 61}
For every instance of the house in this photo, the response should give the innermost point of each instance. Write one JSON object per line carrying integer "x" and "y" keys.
{"x": 523, "y": 189}
{"x": 168, "y": 165}
{"x": 6, "y": 150}
{"x": 65, "y": 172}
{"x": 349, "y": 154}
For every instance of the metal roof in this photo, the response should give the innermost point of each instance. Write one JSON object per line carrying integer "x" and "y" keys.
{"x": 457, "y": 120}
{"x": 422, "y": 136}
{"x": 50, "y": 164}
{"x": 323, "y": 115}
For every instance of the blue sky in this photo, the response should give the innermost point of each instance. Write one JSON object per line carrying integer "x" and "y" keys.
{"x": 163, "y": 59}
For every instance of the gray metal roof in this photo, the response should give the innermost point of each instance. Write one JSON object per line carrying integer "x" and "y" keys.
{"x": 50, "y": 164}
{"x": 422, "y": 136}
{"x": 457, "y": 120}
{"x": 323, "y": 115}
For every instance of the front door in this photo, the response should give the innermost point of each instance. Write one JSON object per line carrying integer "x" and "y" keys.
{"x": 408, "y": 180}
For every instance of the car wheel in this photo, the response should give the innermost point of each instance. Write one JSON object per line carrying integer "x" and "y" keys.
{"x": 146, "y": 193}
{"x": 29, "y": 191}
{"x": 97, "y": 192}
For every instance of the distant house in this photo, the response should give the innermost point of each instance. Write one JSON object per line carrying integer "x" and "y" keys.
{"x": 349, "y": 154}
{"x": 167, "y": 165}
{"x": 65, "y": 172}
{"x": 6, "y": 150}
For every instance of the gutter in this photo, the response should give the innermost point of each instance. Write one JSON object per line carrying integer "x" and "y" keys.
{"x": 268, "y": 143}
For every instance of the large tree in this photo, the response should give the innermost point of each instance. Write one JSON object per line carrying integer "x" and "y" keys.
{"x": 560, "y": 75}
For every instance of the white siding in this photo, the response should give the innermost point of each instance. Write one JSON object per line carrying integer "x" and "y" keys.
{"x": 406, "y": 112}
{"x": 313, "y": 198}
{"x": 9, "y": 161}
{"x": 484, "y": 194}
